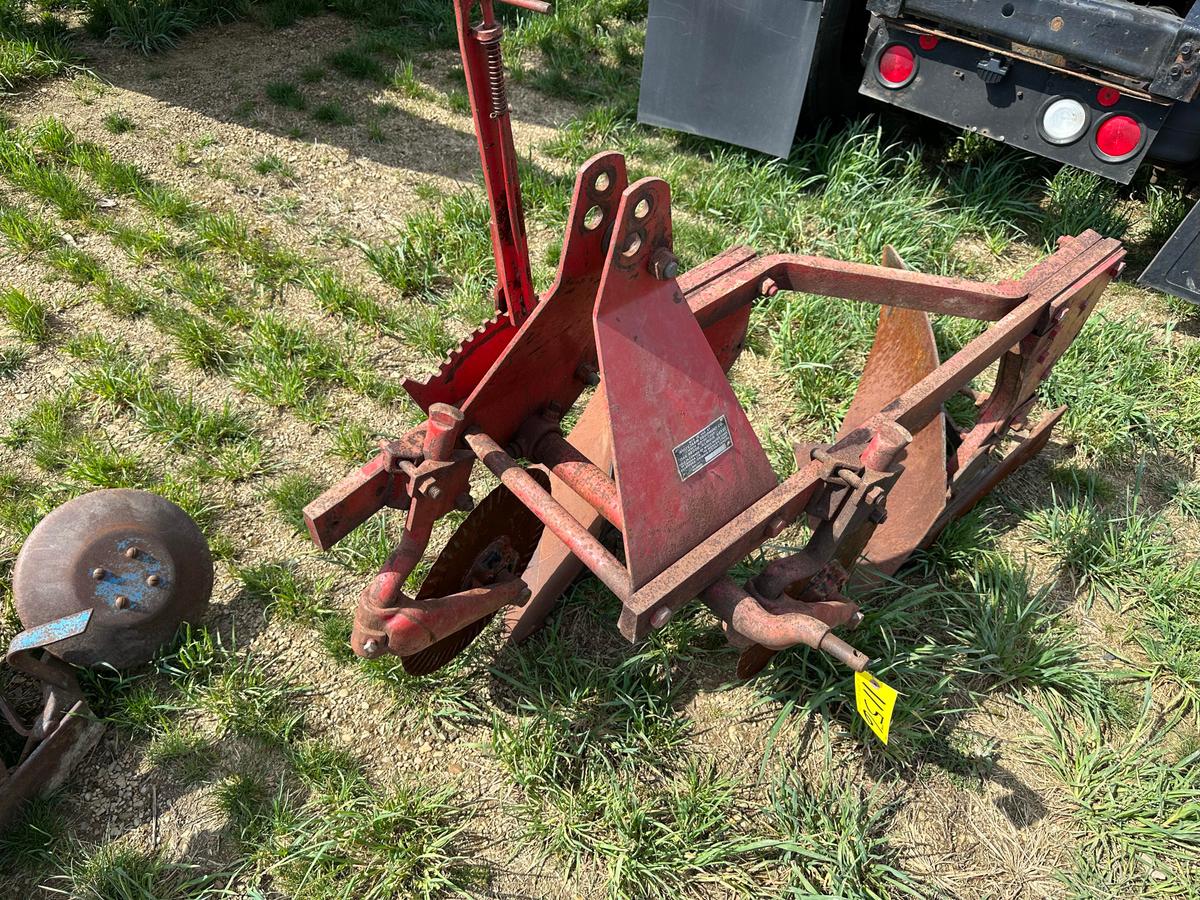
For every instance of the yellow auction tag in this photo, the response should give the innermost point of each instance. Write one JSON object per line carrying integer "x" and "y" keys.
{"x": 875, "y": 702}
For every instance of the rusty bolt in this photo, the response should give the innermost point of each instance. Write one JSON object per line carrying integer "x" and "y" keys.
{"x": 1185, "y": 49}
{"x": 98, "y": 574}
{"x": 663, "y": 264}
{"x": 121, "y": 602}
{"x": 661, "y": 617}
{"x": 874, "y": 495}
{"x": 464, "y": 502}
{"x": 433, "y": 492}
{"x": 855, "y": 620}
{"x": 131, "y": 553}
{"x": 1176, "y": 70}
{"x": 768, "y": 288}
{"x": 775, "y": 526}
{"x": 153, "y": 580}
{"x": 370, "y": 647}
{"x": 587, "y": 374}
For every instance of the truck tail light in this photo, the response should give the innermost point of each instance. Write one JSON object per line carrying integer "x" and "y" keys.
{"x": 1063, "y": 121}
{"x": 896, "y": 66}
{"x": 1118, "y": 137}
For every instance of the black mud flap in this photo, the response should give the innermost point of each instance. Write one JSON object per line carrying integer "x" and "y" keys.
{"x": 735, "y": 72}
{"x": 1176, "y": 268}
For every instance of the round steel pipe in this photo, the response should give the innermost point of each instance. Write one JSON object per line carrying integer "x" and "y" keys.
{"x": 734, "y": 605}
{"x": 581, "y": 475}
{"x": 552, "y": 514}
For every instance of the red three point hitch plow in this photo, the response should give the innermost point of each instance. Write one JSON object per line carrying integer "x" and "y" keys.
{"x": 662, "y": 451}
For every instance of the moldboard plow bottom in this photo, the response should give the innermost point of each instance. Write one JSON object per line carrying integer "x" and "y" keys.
{"x": 662, "y": 452}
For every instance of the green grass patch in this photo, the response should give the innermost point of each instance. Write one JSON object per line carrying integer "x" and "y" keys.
{"x": 118, "y": 123}
{"x": 285, "y": 94}
{"x": 25, "y": 315}
{"x": 332, "y": 113}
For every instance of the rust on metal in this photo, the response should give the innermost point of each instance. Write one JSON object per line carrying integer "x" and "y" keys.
{"x": 903, "y": 353}
{"x": 103, "y": 580}
{"x": 662, "y": 455}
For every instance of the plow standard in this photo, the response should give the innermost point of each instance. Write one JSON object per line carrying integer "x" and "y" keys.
{"x": 662, "y": 452}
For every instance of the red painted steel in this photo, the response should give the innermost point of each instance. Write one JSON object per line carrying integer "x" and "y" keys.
{"x": 413, "y": 627}
{"x": 581, "y": 475}
{"x": 692, "y": 491}
{"x": 479, "y": 46}
{"x": 553, "y": 514}
{"x": 667, "y": 391}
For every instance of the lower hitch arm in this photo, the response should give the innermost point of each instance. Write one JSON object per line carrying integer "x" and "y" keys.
{"x": 387, "y": 620}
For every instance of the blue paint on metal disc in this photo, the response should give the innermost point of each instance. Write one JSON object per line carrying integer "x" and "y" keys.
{"x": 51, "y": 632}
{"x": 132, "y": 582}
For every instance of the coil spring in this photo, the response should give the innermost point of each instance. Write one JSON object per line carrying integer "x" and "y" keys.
{"x": 495, "y": 75}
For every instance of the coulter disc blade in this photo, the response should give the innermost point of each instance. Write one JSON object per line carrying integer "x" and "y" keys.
{"x": 135, "y": 559}
{"x": 466, "y": 555}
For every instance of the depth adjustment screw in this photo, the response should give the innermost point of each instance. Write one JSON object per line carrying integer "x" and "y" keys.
{"x": 663, "y": 264}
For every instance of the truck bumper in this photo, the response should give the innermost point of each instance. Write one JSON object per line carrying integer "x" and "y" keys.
{"x": 1005, "y": 97}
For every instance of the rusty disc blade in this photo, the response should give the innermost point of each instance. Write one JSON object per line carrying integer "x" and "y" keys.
{"x": 137, "y": 560}
{"x": 500, "y": 514}
{"x": 904, "y": 352}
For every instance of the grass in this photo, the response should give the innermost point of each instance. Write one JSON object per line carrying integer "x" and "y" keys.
{"x": 273, "y": 165}
{"x": 28, "y": 317}
{"x": 286, "y": 94}
{"x": 332, "y": 113}
{"x": 282, "y": 591}
{"x": 836, "y": 837}
{"x": 355, "y": 841}
{"x": 356, "y": 63}
{"x": 118, "y": 123}
{"x": 254, "y": 371}
{"x": 1133, "y": 799}
{"x": 33, "y": 45}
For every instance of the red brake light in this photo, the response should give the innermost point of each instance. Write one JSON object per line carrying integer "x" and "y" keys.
{"x": 1118, "y": 137}
{"x": 927, "y": 41}
{"x": 1107, "y": 96}
{"x": 897, "y": 65}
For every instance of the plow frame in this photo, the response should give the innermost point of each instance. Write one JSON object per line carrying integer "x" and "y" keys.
{"x": 663, "y": 452}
